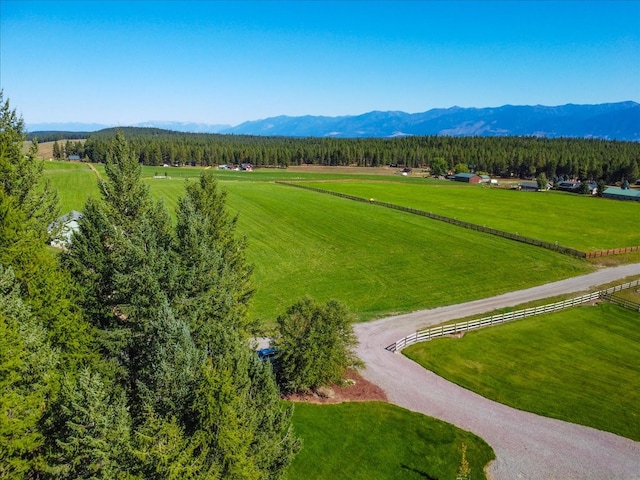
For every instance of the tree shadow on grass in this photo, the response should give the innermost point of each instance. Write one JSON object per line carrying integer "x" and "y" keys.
{"x": 419, "y": 472}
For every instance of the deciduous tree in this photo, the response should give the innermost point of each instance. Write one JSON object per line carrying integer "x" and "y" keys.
{"x": 315, "y": 344}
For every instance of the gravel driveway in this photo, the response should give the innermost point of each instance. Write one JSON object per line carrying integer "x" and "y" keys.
{"x": 527, "y": 446}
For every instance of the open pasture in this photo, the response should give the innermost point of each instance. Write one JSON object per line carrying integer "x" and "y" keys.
{"x": 578, "y": 365}
{"x": 375, "y": 260}
{"x": 578, "y": 221}
{"x": 381, "y": 441}
{"x": 75, "y": 182}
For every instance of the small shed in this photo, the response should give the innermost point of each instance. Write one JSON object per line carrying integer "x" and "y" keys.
{"x": 467, "y": 177}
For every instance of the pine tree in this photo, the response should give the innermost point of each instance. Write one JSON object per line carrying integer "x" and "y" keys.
{"x": 214, "y": 277}
{"x": 89, "y": 430}
{"x": 170, "y": 306}
{"x": 20, "y": 174}
{"x": 27, "y": 379}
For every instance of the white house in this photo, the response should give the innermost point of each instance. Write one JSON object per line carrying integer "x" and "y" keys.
{"x": 66, "y": 225}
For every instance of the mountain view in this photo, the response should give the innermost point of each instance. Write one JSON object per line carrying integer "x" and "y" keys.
{"x": 613, "y": 121}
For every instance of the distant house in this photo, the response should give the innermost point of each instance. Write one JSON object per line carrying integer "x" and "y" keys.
{"x": 467, "y": 177}
{"x": 66, "y": 225}
{"x": 568, "y": 186}
{"x": 618, "y": 193}
{"x": 485, "y": 179}
{"x": 528, "y": 187}
{"x": 73, "y": 158}
{"x": 246, "y": 167}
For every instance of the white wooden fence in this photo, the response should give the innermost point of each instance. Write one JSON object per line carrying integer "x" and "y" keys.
{"x": 451, "y": 329}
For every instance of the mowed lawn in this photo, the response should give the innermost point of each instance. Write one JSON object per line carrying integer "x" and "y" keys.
{"x": 380, "y": 441}
{"x": 578, "y": 365}
{"x": 75, "y": 182}
{"x": 377, "y": 261}
{"x": 581, "y": 222}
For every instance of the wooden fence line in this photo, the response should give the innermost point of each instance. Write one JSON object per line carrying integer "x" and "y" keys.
{"x": 622, "y": 302}
{"x": 492, "y": 231}
{"x": 442, "y": 330}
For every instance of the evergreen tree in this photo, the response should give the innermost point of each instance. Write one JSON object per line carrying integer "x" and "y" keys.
{"x": 57, "y": 154}
{"x": 239, "y": 414}
{"x": 88, "y": 430}
{"x": 170, "y": 306}
{"x": 214, "y": 277}
{"x": 20, "y": 174}
{"x": 27, "y": 379}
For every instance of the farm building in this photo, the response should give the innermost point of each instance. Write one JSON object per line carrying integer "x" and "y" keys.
{"x": 568, "y": 186}
{"x": 528, "y": 186}
{"x": 467, "y": 177}
{"x": 622, "y": 193}
{"x": 67, "y": 224}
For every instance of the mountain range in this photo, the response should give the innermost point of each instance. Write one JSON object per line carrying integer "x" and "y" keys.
{"x": 614, "y": 121}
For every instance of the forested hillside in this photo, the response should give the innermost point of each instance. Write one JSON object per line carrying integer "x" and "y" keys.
{"x": 611, "y": 161}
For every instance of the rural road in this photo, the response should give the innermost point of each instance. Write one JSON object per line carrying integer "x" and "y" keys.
{"x": 527, "y": 446}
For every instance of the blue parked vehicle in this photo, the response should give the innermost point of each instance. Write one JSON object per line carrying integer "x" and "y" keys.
{"x": 267, "y": 354}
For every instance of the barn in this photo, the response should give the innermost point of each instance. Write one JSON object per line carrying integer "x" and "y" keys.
{"x": 467, "y": 177}
{"x": 618, "y": 193}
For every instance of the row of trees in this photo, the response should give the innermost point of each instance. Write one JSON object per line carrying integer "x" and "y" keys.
{"x": 65, "y": 150}
{"x": 127, "y": 356}
{"x": 524, "y": 157}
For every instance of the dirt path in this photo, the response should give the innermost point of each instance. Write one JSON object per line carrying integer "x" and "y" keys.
{"x": 527, "y": 446}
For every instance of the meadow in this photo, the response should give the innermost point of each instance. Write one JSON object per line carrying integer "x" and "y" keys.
{"x": 579, "y": 365}
{"x": 381, "y": 441}
{"x": 581, "y": 222}
{"x": 377, "y": 261}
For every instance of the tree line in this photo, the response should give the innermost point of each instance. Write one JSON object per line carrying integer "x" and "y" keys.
{"x": 521, "y": 157}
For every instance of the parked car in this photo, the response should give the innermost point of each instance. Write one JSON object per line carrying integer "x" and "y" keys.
{"x": 267, "y": 354}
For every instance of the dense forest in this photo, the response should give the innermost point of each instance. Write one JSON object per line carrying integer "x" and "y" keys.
{"x": 523, "y": 157}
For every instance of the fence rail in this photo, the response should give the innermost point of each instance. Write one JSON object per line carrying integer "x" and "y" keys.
{"x": 492, "y": 231}
{"x": 622, "y": 302}
{"x": 451, "y": 329}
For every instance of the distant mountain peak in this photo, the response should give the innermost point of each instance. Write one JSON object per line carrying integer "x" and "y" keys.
{"x": 614, "y": 121}
{"x": 620, "y": 121}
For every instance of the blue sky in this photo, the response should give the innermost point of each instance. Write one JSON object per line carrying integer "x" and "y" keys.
{"x": 124, "y": 62}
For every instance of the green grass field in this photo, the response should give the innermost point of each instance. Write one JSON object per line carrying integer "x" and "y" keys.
{"x": 578, "y": 365}
{"x": 75, "y": 182}
{"x": 380, "y": 441}
{"x": 375, "y": 260}
{"x": 577, "y": 221}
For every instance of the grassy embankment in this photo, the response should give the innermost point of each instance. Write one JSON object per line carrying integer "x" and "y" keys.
{"x": 578, "y": 365}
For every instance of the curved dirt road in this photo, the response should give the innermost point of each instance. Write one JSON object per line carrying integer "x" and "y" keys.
{"x": 527, "y": 446}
